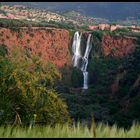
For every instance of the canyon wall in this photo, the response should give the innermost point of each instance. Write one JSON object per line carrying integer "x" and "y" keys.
{"x": 48, "y": 43}
{"x": 118, "y": 46}
{"x": 53, "y": 44}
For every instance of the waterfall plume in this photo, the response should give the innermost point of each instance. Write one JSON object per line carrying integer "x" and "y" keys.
{"x": 76, "y": 48}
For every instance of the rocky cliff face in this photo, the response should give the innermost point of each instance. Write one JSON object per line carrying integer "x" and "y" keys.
{"x": 48, "y": 43}
{"x": 118, "y": 46}
{"x": 53, "y": 44}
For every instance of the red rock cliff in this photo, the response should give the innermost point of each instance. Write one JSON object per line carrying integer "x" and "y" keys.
{"x": 52, "y": 44}
{"x": 118, "y": 46}
{"x": 49, "y": 43}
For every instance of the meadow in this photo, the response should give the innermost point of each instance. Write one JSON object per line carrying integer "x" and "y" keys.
{"x": 67, "y": 131}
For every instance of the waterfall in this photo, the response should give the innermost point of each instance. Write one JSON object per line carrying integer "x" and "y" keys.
{"x": 85, "y": 62}
{"x": 86, "y": 55}
{"x": 77, "y": 55}
{"x": 76, "y": 48}
{"x": 85, "y": 83}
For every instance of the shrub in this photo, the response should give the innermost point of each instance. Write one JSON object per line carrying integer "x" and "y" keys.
{"x": 3, "y": 50}
{"x": 49, "y": 30}
{"x": 98, "y": 34}
{"x": 76, "y": 78}
{"x": 124, "y": 30}
{"x": 26, "y": 87}
{"x": 31, "y": 34}
{"x": 28, "y": 40}
{"x": 19, "y": 34}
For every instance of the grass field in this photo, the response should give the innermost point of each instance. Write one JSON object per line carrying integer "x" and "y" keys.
{"x": 76, "y": 131}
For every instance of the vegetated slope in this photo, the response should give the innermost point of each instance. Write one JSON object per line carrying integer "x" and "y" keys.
{"x": 108, "y": 10}
{"x": 114, "y": 89}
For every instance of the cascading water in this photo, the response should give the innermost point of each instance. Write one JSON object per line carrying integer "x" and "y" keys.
{"x": 85, "y": 62}
{"x": 86, "y": 55}
{"x": 76, "y": 48}
{"x": 85, "y": 83}
{"x": 77, "y": 55}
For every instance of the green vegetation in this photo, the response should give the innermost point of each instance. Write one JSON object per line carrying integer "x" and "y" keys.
{"x": 124, "y": 30}
{"x": 65, "y": 131}
{"x": 120, "y": 105}
{"x": 13, "y": 23}
{"x": 24, "y": 23}
{"x": 99, "y": 33}
{"x": 26, "y": 90}
{"x": 76, "y": 78}
{"x": 19, "y": 34}
{"x": 49, "y": 30}
{"x": 61, "y": 25}
{"x": 28, "y": 40}
{"x": 29, "y": 96}
{"x": 71, "y": 32}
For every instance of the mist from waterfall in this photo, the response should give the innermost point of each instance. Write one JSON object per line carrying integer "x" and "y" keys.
{"x": 76, "y": 48}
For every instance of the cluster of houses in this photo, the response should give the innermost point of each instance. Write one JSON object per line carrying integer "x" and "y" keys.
{"x": 133, "y": 28}
{"x": 105, "y": 27}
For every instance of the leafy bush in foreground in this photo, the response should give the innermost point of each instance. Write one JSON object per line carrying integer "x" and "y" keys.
{"x": 26, "y": 90}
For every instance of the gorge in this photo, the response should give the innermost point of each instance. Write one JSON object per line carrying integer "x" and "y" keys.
{"x": 106, "y": 65}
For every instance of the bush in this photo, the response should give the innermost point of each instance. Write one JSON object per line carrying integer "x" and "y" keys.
{"x": 124, "y": 30}
{"x": 98, "y": 34}
{"x": 3, "y": 50}
{"x": 51, "y": 109}
{"x": 77, "y": 78}
{"x": 26, "y": 88}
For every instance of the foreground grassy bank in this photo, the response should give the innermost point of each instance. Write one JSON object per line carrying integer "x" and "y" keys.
{"x": 65, "y": 131}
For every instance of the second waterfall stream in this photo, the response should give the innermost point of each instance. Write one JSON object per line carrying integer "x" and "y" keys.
{"x": 76, "y": 48}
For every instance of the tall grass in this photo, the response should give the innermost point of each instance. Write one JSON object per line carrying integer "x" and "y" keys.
{"x": 66, "y": 131}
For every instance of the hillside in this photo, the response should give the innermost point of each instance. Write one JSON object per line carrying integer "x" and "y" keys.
{"x": 109, "y": 10}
